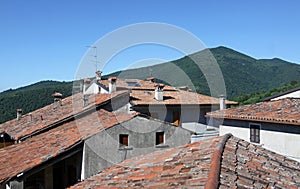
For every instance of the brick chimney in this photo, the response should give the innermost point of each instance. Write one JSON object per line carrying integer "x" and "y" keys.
{"x": 57, "y": 99}
{"x": 98, "y": 75}
{"x": 159, "y": 92}
{"x": 222, "y": 99}
{"x": 86, "y": 82}
{"x": 112, "y": 84}
{"x": 151, "y": 79}
{"x": 19, "y": 114}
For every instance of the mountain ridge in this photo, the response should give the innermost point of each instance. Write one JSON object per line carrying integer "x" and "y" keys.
{"x": 242, "y": 74}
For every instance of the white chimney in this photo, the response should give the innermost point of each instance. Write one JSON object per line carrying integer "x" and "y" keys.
{"x": 19, "y": 114}
{"x": 86, "y": 82}
{"x": 222, "y": 99}
{"x": 57, "y": 99}
{"x": 159, "y": 92}
{"x": 98, "y": 75}
{"x": 112, "y": 84}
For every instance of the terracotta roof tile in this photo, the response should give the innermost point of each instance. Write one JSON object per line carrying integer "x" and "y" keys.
{"x": 284, "y": 111}
{"x": 246, "y": 165}
{"x": 143, "y": 94}
{"x": 49, "y": 115}
{"x": 23, "y": 156}
{"x": 185, "y": 166}
{"x": 221, "y": 162}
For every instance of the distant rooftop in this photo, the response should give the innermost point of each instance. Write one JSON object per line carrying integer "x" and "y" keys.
{"x": 284, "y": 111}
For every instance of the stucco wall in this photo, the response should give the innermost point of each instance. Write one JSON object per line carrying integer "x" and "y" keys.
{"x": 281, "y": 138}
{"x": 103, "y": 150}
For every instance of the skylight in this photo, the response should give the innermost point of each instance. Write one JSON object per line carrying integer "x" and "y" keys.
{"x": 133, "y": 84}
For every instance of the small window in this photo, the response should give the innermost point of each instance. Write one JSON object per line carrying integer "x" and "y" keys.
{"x": 123, "y": 139}
{"x": 254, "y": 133}
{"x": 160, "y": 138}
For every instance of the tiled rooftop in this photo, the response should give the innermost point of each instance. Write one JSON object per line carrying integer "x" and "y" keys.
{"x": 225, "y": 162}
{"x": 49, "y": 115}
{"x": 246, "y": 165}
{"x": 23, "y": 156}
{"x": 130, "y": 84}
{"x": 284, "y": 111}
{"x": 177, "y": 97}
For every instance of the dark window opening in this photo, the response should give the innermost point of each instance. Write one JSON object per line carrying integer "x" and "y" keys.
{"x": 255, "y": 133}
{"x": 159, "y": 138}
{"x": 123, "y": 140}
{"x": 176, "y": 118}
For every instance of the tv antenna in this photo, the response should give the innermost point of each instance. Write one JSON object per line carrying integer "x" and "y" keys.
{"x": 95, "y": 56}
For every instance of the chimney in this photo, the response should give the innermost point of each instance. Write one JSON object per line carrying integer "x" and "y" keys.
{"x": 19, "y": 114}
{"x": 57, "y": 99}
{"x": 85, "y": 100}
{"x": 222, "y": 99}
{"x": 86, "y": 82}
{"x": 112, "y": 86}
{"x": 159, "y": 92}
{"x": 151, "y": 79}
{"x": 30, "y": 117}
{"x": 98, "y": 75}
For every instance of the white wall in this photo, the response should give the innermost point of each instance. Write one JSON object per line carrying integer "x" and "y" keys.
{"x": 287, "y": 144}
{"x": 295, "y": 94}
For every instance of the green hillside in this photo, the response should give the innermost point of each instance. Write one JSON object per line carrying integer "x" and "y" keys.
{"x": 30, "y": 97}
{"x": 243, "y": 75}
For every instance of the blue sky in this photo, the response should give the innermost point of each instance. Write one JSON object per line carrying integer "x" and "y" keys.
{"x": 46, "y": 40}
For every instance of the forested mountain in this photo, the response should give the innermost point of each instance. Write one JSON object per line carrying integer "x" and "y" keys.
{"x": 30, "y": 97}
{"x": 243, "y": 75}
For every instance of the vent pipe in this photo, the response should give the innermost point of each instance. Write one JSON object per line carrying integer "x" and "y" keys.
{"x": 159, "y": 92}
{"x": 112, "y": 84}
{"x": 19, "y": 114}
{"x": 222, "y": 99}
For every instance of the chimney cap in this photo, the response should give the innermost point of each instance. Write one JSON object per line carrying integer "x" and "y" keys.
{"x": 57, "y": 95}
{"x": 86, "y": 80}
{"x": 98, "y": 72}
{"x": 159, "y": 85}
{"x": 19, "y": 110}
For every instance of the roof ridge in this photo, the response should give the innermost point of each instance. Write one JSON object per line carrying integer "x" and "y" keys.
{"x": 215, "y": 166}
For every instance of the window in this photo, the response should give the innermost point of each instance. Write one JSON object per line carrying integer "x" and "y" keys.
{"x": 123, "y": 139}
{"x": 160, "y": 138}
{"x": 254, "y": 133}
